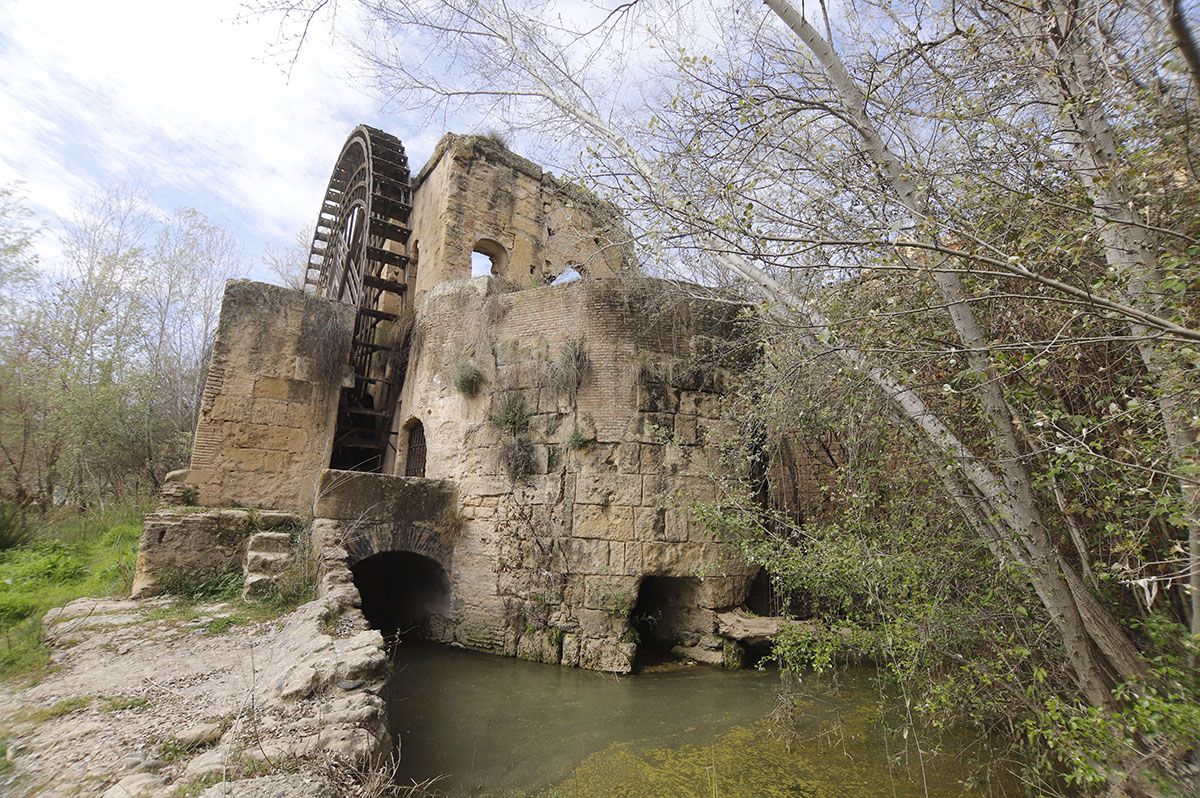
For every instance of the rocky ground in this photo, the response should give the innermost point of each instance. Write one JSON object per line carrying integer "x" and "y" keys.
{"x": 154, "y": 698}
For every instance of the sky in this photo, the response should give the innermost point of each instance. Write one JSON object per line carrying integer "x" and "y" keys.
{"x": 197, "y": 104}
{"x": 190, "y": 103}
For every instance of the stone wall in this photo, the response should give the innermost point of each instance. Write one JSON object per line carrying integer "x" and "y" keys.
{"x": 191, "y": 545}
{"x": 269, "y": 405}
{"x": 474, "y": 189}
{"x": 547, "y": 564}
{"x": 375, "y": 513}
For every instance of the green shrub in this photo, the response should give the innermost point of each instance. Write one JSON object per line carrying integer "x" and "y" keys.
{"x": 510, "y": 414}
{"x": 15, "y": 608}
{"x": 579, "y": 442}
{"x": 468, "y": 379}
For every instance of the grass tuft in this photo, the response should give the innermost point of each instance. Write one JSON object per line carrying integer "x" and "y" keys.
{"x": 116, "y": 703}
{"x": 212, "y": 586}
{"x": 516, "y": 457}
{"x": 39, "y": 715}
{"x": 511, "y": 414}
{"x": 468, "y": 379}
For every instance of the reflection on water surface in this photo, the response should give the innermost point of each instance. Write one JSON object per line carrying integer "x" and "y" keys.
{"x": 497, "y": 726}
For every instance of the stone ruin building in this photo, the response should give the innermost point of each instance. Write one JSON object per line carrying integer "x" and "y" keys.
{"x": 504, "y": 462}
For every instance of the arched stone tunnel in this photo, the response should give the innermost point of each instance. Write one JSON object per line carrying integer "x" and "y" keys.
{"x": 402, "y": 592}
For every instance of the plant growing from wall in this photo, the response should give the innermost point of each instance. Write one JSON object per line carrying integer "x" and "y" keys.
{"x": 468, "y": 379}
{"x": 511, "y": 414}
{"x": 329, "y": 344}
{"x": 579, "y": 442}
{"x": 616, "y": 600}
{"x": 516, "y": 456}
{"x": 567, "y": 373}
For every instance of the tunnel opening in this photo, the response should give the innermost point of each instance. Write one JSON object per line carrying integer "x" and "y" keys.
{"x": 762, "y": 598}
{"x": 760, "y": 656}
{"x": 402, "y": 593}
{"x": 666, "y": 618}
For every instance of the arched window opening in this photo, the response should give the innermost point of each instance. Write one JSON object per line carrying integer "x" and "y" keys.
{"x": 402, "y": 592}
{"x": 414, "y": 456}
{"x": 481, "y": 264}
{"x": 489, "y": 257}
{"x": 570, "y": 275}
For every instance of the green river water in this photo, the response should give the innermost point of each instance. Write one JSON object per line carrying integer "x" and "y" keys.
{"x": 497, "y": 726}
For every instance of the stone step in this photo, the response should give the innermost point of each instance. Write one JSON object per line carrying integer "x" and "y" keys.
{"x": 257, "y": 586}
{"x": 271, "y": 519}
{"x": 266, "y": 562}
{"x": 276, "y": 542}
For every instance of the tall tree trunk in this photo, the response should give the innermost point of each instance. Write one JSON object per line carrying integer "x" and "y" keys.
{"x": 1129, "y": 247}
{"x": 1099, "y": 658}
{"x": 1185, "y": 41}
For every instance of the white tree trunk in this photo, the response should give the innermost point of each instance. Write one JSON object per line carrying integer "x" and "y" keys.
{"x": 1086, "y": 630}
{"x": 1129, "y": 247}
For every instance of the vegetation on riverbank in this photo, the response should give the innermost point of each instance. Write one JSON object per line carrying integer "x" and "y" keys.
{"x": 892, "y": 571}
{"x": 65, "y": 555}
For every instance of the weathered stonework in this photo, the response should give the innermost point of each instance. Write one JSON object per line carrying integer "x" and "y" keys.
{"x": 270, "y": 398}
{"x": 193, "y": 544}
{"x": 368, "y": 514}
{"x": 474, "y": 190}
{"x": 553, "y": 491}
{"x": 616, "y": 461}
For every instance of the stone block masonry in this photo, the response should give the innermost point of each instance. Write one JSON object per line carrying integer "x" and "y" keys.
{"x": 270, "y": 398}
{"x": 544, "y": 506}
{"x": 548, "y": 564}
{"x": 189, "y": 545}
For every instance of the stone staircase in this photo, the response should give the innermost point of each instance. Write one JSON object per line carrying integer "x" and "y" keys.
{"x": 268, "y": 555}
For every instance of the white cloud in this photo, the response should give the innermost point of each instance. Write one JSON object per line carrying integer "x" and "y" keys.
{"x": 190, "y": 102}
{"x": 185, "y": 100}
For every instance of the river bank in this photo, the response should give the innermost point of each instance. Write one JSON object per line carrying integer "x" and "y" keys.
{"x": 163, "y": 698}
{"x": 160, "y": 698}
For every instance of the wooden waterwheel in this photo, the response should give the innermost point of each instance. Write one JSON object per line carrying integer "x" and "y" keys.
{"x": 360, "y": 256}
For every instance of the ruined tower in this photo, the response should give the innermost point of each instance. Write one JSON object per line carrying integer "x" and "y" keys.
{"x": 492, "y": 422}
